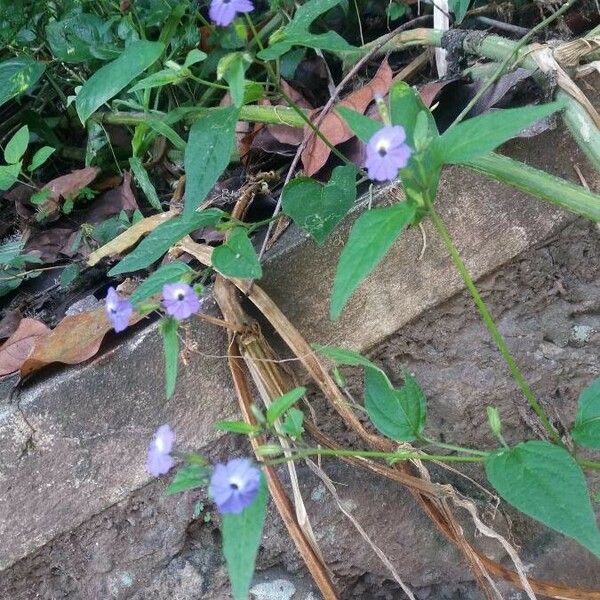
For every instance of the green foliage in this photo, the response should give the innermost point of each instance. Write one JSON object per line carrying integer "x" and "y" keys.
{"x": 297, "y": 32}
{"x": 169, "y": 331}
{"x": 398, "y": 413}
{"x": 292, "y": 424}
{"x": 586, "y": 431}
{"x": 370, "y": 239}
{"x": 189, "y": 477}
{"x": 544, "y": 481}
{"x": 459, "y": 8}
{"x": 163, "y": 237}
{"x": 242, "y": 534}
{"x": 18, "y": 75}
{"x": 344, "y": 357}
{"x": 12, "y": 266}
{"x": 170, "y": 273}
{"x": 40, "y": 157}
{"x": 363, "y": 127}
{"x": 405, "y": 107}
{"x": 208, "y": 152}
{"x": 318, "y": 208}
{"x": 232, "y": 68}
{"x": 480, "y": 135}
{"x": 236, "y": 427}
{"x": 283, "y": 404}
{"x": 141, "y": 176}
{"x": 237, "y": 257}
{"x": 113, "y": 77}
{"x": 9, "y": 175}
{"x": 17, "y": 145}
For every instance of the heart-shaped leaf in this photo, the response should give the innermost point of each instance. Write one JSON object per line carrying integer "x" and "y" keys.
{"x": 237, "y": 257}
{"x": 587, "y": 423}
{"x": 318, "y": 208}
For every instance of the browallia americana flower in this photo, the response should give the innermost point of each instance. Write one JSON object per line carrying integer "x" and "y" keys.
{"x": 223, "y": 12}
{"x": 159, "y": 459}
{"x": 234, "y": 486}
{"x": 180, "y": 300}
{"x": 118, "y": 310}
{"x": 387, "y": 153}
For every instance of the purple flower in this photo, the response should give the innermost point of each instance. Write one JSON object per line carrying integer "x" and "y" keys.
{"x": 159, "y": 459}
{"x": 387, "y": 153}
{"x": 118, "y": 310}
{"x": 234, "y": 486}
{"x": 180, "y": 300}
{"x": 223, "y": 12}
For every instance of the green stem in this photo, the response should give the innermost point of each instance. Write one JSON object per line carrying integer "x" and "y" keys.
{"x": 392, "y": 456}
{"x": 588, "y": 464}
{"x": 490, "y": 324}
{"x": 453, "y": 447}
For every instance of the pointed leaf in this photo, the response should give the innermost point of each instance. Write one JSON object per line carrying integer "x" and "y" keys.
{"x": 168, "y": 329}
{"x": 141, "y": 176}
{"x": 17, "y": 75}
{"x": 40, "y": 157}
{"x": 480, "y": 135}
{"x": 110, "y": 79}
{"x": 284, "y": 403}
{"x": 17, "y": 145}
{"x": 544, "y": 481}
{"x": 318, "y": 208}
{"x": 237, "y": 257}
{"x": 587, "y": 423}
{"x": 163, "y": 237}
{"x": 344, "y": 357}
{"x": 171, "y": 273}
{"x": 9, "y": 175}
{"x": 364, "y": 128}
{"x": 370, "y": 239}
{"x": 242, "y": 534}
{"x": 207, "y": 154}
{"x": 189, "y": 477}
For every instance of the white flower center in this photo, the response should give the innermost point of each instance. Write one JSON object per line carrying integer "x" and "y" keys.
{"x": 382, "y": 147}
{"x": 235, "y": 483}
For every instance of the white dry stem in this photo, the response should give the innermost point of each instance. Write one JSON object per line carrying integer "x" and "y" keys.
{"x": 378, "y": 551}
{"x": 441, "y": 20}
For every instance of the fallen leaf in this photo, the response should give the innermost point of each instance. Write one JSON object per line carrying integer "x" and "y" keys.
{"x": 48, "y": 244}
{"x": 67, "y": 187}
{"x": 128, "y": 238}
{"x": 112, "y": 202}
{"x": 20, "y": 345}
{"x": 334, "y": 128}
{"x": 291, "y": 136}
{"x": 75, "y": 339}
{"x": 9, "y": 323}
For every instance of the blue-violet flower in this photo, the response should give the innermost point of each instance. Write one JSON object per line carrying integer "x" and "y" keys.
{"x": 387, "y": 153}
{"x": 233, "y": 486}
{"x": 159, "y": 459}
{"x": 223, "y": 12}
{"x": 180, "y": 300}
{"x": 118, "y": 310}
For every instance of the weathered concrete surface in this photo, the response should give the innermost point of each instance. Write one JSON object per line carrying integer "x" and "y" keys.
{"x": 85, "y": 455}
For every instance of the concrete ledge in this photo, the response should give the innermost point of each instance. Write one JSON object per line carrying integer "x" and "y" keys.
{"x": 75, "y": 443}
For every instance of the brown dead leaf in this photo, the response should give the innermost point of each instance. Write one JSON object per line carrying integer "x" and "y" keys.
{"x": 334, "y": 128}
{"x": 67, "y": 187}
{"x": 48, "y": 244}
{"x": 20, "y": 345}
{"x": 128, "y": 238}
{"x": 9, "y": 323}
{"x": 75, "y": 339}
{"x": 291, "y": 136}
{"x": 112, "y": 202}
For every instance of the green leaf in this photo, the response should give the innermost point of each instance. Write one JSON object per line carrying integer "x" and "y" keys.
{"x": 166, "y": 131}
{"x": 344, "y": 357}
{"x": 399, "y": 414}
{"x": 370, "y": 239}
{"x": 17, "y": 146}
{"x": 587, "y": 423}
{"x": 171, "y": 273}
{"x": 459, "y": 8}
{"x": 405, "y": 106}
{"x": 544, "y": 481}
{"x": 242, "y": 534}
{"x": 110, "y": 79}
{"x": 163, "y": 237}
{"x": 484, "y": 133}
{"x": 395, "y": 11}
{"x": 297, "y": 32}
{"x": 194, "y": 56}
{"x": 168, "y": 329}
{"x": 284, "y": 403}
{"x": 69, "y": 275}
{"x": 237, "y": 257}
{"x": 292, "y": 424}
{"x": 236, "y": 427}
{"x": 159, "y": 79}
{"x": 364, "y": 128}
{"x": 141, "y": 176}
{"x": 188, "y": 478}
{"x": 40, "y": 157}
{"x": 318, "y": 208}
{"x": 207, "y": 154}
{"x": 17, "y": 75}
{"x": 9, "y": 175}
{"x": 232, "y": 68}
